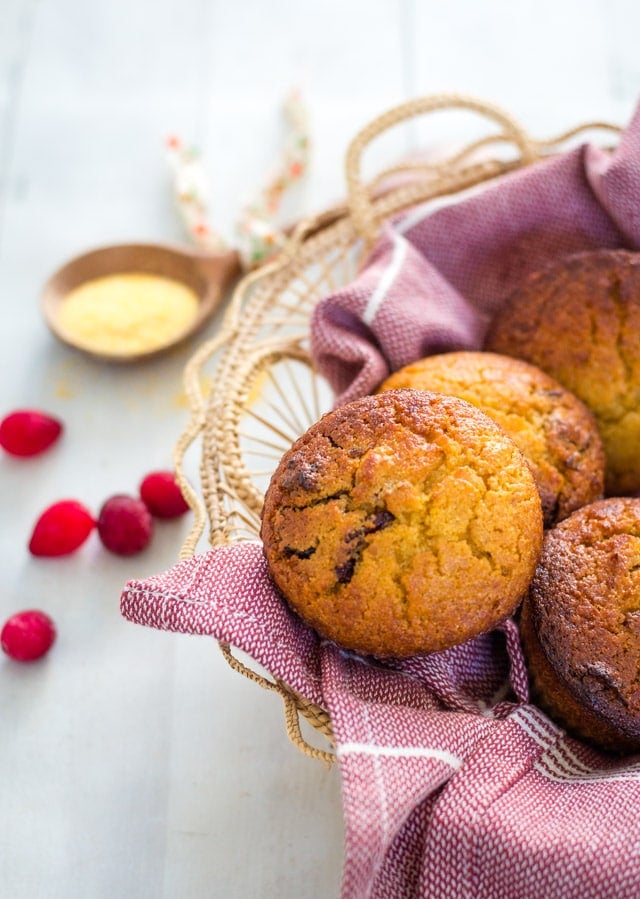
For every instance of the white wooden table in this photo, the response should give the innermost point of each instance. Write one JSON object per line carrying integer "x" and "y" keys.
{"x": 135, "y": 763}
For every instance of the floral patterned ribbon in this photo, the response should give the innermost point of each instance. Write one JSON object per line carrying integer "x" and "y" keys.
{"x": 258, "y": 234}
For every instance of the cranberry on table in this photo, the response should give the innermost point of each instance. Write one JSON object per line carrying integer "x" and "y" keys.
{"x": 125, "y": 525}
{"x": 61, "y": 529}
{"x": 162, "y": 496}
{"x": 27, "y": 432}
{"x": 27, "y": 635}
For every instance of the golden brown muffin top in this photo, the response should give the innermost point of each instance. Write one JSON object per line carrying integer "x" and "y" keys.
{"x": 579, "y": 320}
{"x": 402, "y": 523}
{"x": 585, "y": 607}
{"x": 554, "y": 430}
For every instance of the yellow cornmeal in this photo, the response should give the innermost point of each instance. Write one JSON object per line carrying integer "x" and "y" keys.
{"x": 127, "y": 313}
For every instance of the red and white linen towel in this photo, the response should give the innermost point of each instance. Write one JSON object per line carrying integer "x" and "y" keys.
{"x": 453, "y": 784}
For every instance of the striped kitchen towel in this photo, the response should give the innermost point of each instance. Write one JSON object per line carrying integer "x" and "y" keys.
{"x": 454, "y": 786}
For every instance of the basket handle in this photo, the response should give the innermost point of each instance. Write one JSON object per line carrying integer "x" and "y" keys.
{"x": 359, "y": 199}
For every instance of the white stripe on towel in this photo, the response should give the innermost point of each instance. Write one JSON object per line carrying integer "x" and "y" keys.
{"x": 399, "y": 752}
{"x": 384, "y": 284}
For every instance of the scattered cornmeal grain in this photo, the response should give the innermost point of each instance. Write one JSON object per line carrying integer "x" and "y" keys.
{"x": 402, "y": 523}
{"x": 127, "y": 313}
{"x": 579, "y": 321}
{"x": 555, "y": 431}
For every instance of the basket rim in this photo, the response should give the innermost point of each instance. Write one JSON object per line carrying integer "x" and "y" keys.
{"x": 237, "y": 351}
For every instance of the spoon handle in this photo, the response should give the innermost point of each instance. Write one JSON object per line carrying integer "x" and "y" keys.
{"x": 219, "y": 269}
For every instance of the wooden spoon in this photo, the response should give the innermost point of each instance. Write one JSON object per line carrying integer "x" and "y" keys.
{"x": 206, "y": 274}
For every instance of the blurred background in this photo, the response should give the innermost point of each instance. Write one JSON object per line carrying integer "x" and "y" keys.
{"x": 136, "y": 763}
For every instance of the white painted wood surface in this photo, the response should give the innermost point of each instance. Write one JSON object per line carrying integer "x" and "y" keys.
{"x": 135, "y": 763}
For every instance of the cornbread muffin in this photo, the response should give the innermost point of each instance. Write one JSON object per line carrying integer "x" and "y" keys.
{"x": 579, "y": 321}
{"x": 548, "y": 691}
{"x": 580, "y": 624}
{"x": 554, "y": 430}
{"x": 402, "y": 523}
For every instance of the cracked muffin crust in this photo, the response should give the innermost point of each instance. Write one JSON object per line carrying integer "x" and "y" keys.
{"x": 580, "y": 624}
{"x": 553, "y": 429}
{"x": 579, "y": 321}
{"x": 402, "y": 523}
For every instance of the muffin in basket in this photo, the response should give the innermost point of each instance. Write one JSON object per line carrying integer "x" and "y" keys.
{"x": 580, "y": 624}
{"x": 402, "y": 523}
{"x": 555, "y": 431}
{"x": 579, "y": 320}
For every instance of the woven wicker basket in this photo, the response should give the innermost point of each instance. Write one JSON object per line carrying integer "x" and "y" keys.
{"x": 266, "y": 392}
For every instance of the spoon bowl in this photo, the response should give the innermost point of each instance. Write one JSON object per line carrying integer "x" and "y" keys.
{"x": 207, "y": 275}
